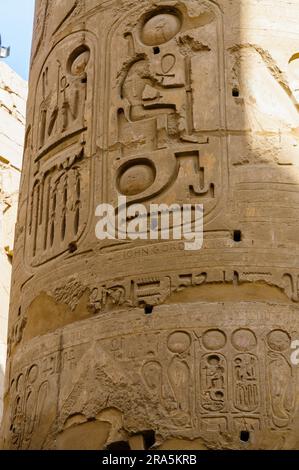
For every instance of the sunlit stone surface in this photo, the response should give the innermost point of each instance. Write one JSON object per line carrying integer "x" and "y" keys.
{"x": 142, "y": 343}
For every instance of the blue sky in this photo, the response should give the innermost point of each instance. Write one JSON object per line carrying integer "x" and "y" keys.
{"x": 16, "y": 22}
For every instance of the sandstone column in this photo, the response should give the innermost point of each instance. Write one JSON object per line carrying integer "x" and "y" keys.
{"x": 144, "y": 343}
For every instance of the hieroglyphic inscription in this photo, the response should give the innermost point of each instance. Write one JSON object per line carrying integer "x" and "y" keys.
{"x": 155, "y": 107}
{"x": 59, "y": 195}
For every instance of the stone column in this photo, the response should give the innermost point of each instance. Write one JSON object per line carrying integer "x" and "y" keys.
{"x": 143, "y": 343}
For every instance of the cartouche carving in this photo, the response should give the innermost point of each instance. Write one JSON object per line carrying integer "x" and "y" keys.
{"x": 196, "y": 381}
{"x": 157, "y": 148}
{"x": 59, "y": 199}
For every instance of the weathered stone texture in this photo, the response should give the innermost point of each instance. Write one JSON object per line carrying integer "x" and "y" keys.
{"x": 13, "y": 93}
{"x": 187, "y": 101}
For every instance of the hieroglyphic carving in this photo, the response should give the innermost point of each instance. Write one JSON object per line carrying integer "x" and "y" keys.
{"x": 281, "y": 378}
{"x": 62, "y": 103}
{"x": 155, "y": 290}
{"x": 291, "y": 285}
{"x": 251, "y": 424}
{"x": 176, "y": 371}
{"x": 29, "y": 390}
{"x": 139, "y": 292}
{"x": 214, "y": 340}
{"x": 153, "y": 376}
{"x": 155, "y": 107}
{"x": 244, "y": 339}
{"x": 246, "y": 382}
{"x": 151, "y": 291}
{"x": 213, "y": 386}
{"x": 59, "y": 198}
{"x": 189, "y": 390}
{"x": 58, "y": 201}
{"x": 110, "y": 296}
{"x": 170, "y": 378}
{"x": 182, "y": 281}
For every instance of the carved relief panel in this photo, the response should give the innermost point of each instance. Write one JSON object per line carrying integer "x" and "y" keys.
{"x": 280, "y": 378}
{"x": 30, "y": 389}
{"x": 190, "y": 380}
{"x": 60, "y": 167}
{"x": 214, "y": 380}
{"x": 164, "y": 64}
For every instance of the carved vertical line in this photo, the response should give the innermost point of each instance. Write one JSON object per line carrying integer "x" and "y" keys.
{"x": 64, "y": 208}
{"x": 48, "y": 190}
{"x": 42, "y": 132}
{"x": 190, "y": 121}
{"x": 53, "y": 214}
{"x": 31, "y": 210}
{"x": 296, "y": 291}
{"x": 41, "y": 202}
{"x": 44, "y": 83}
{"x": 36, "y": 219}
{"x": 77, "y": 204}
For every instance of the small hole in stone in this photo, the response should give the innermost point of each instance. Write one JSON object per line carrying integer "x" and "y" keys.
{"x": 237, "y": 236}
{"x": 244, "y": 436}
{"x": 156, "y": 50}
{"x": 149, "y": 439}
{"x": 120, "y": 445}
{"x": 235, "y": 92}
{"x": 84, "y": 80}
{"x": 148, "y": 309}
{"x": 73, "y": 247}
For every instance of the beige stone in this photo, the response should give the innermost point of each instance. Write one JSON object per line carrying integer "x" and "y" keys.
{"x": 13, "y": 93}
{"x": 141, "y": 343}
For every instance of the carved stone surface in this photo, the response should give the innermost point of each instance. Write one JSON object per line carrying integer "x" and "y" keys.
{"x": 169, "y": 101}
